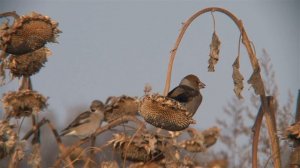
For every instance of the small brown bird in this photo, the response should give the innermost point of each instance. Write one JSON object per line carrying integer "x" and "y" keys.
{"x": 87, "y": 122}
{"x": 188, "y": 93}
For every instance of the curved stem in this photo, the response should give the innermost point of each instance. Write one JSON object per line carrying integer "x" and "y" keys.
{"x": 255, "y": 66}
{"x": 238, "y": 23}
{"x": 10, "y": 14}
{"x": 214, "y": 20}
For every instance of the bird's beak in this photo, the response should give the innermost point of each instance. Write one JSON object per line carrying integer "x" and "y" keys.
{"x": 201, "y": 85}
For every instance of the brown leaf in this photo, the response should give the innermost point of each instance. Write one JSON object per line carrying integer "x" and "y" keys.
{"x": 255, "y": 81}
{"x": 293, "y": 132}
{"x": 214, "y": 52}
{"x": 237, "y": 78}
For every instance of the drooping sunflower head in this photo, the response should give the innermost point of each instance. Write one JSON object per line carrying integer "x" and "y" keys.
{"x": 29, "y": 33}
{"x": 164, "y": 112}
{"x": 23, "y": 103}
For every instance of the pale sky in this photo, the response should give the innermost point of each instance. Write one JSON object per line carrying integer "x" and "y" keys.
{"x": 110, "y": 48}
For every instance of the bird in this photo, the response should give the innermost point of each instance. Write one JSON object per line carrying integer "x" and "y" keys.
{"x": 188, "y": 93}
{"x": 86, "y": 123}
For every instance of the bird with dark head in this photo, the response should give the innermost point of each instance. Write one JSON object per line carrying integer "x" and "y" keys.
{"x": 86, "y": 123}
{"x": 188, "y": 93}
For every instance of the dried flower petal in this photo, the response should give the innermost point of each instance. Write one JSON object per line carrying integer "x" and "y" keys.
{"x": 214, "y": 52}
{"x": 23, "y": 103}
{"x": 8, "y": 139}
{"x": 237, "y": 78}
{"x": 147, "y": 89}
{"x": 200, "y": 140}
{"x": 28, "y": 64}
{"x": 211, "y": 136}
{"x": 19, "y": 150}
{"x": 166, "y": 113}
{"x": 193, "y": 145}
{"x": 34, "y": 159}
{"x": 255, "y": 82}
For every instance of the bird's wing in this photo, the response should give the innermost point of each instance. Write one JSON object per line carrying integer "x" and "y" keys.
{"x": 183, "y": 93}
{"x": 79, "y": 120}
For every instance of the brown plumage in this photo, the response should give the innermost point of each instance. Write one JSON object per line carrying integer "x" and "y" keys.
{"x": 188, "y": 93}
{"x": 87, "y": 122}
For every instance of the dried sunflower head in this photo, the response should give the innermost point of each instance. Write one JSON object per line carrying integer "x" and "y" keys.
{"x": 139, "y": 149}
{"x": 117, "y": 107}
{"x": 28, "y": 64}
{"x": 164, "y": 112}
{"x": 23, "y": 103}
{"x": 8, "y": 139}
{"x": 29, "y": 33}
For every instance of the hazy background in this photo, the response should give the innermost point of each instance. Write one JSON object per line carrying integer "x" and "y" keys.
{"x": 110, "y": 48}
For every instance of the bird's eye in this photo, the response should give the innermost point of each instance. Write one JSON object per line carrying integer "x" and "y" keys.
{"x": 93, "y": 110}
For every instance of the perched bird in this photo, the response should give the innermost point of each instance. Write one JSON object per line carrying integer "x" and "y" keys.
{"x": 188, "y": 93}
{"x": 87, "y": 122}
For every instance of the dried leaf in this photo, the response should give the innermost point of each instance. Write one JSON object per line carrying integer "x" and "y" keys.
{"x": 211, "y": 136}
{"x": 237, "y": 78}
{"x": 214, "y": 52}
{"x": 255, "y": 81}
{"x": 8, "y": 139}
{"x": 293, "y": 132}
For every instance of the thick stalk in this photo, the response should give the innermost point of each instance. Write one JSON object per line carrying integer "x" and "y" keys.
{"x": 294, "y": 161}
{"x": 269, "y": 112}
{"x": 255, "y": 139}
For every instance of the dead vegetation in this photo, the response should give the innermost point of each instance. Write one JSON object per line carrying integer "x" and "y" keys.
{"x": 172, "y": 143}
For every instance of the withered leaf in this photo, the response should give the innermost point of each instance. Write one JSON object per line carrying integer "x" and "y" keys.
{"x": 293, "y": 131}
{"x": 256, "y": 82}
{"x": 214, "y": 52}
{"x": 237, "y": 78}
